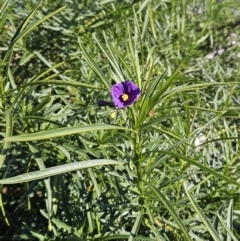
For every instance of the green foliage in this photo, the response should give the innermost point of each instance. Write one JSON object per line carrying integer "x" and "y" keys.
{"x": 165, "y": 168}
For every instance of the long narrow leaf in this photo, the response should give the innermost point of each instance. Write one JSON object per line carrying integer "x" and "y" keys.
{"x": 230, "y": 234}
{"x": 230, "y": 220}
{"x": 204, "y": 219}
{"x": 144, "y": 111}
{"x": 63, "y": 132}
{"x": 171, "y": 210}
{"x": 4, "y": 8}
{"x": 41, "y": 166}
{"x": 59, "y": 83}
{"x": 64, "y": 226}
{"x": 207, "y": 169}
{"x": 94, "y": 66}
{"x": 110, "y": 56}
{"x": 136, "y": 226}
{"x": 21, "y": 33}
{"x": 31, "y": 176}
{"x": 7, "y": 143}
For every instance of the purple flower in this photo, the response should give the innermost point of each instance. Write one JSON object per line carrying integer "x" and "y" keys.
{"x": 125, "y": 93}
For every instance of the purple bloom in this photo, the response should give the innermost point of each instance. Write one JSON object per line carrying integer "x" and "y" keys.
{"x": 125, "y": 93}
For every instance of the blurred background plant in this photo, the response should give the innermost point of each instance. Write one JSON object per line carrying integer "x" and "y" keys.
{"x": 165, "y": 168}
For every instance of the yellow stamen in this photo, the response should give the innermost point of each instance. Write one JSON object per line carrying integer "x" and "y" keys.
{"x": 125, "y": 97}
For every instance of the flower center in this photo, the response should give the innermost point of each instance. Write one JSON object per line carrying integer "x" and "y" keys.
{"x": 125, "y": 97}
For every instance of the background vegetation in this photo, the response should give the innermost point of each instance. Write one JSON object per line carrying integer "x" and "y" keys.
{"x": 166, "y": 168}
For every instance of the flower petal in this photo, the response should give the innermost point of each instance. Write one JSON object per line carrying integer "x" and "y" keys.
{"x": 129, "y": 86}
{"x": 125, "y": 87}
{"x": 117, "y": 90}
{"x": 134, "y": 95}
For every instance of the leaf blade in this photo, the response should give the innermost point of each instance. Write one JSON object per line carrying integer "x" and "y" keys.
{"x": 51, "y": 171}
{"x": 63, "y": 132}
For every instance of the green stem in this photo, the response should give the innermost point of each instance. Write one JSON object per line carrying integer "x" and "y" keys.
{"x": 2, "y": 95}
{"x": 138, "y": 160}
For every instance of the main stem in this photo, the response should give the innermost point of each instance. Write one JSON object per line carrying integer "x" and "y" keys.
{"x": 138, "y": 160}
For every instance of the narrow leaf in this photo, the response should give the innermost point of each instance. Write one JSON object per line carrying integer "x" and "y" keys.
{"x": 230, "y": 234}
{"x": 94, "y": 66}
{"x": 63, "y": 132}
{"x": 171, "y": 210}
{"x": 136, "y": 226}
{"x": 207, "y": 169}
{"x": 64, "y": 226}
{"x": 7, "y": 143}
{"x": 204, "y": 219}
{"x": 31, "y": 176}
{"x": 230, "y": 219}
{"x": 21, "y": 32}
